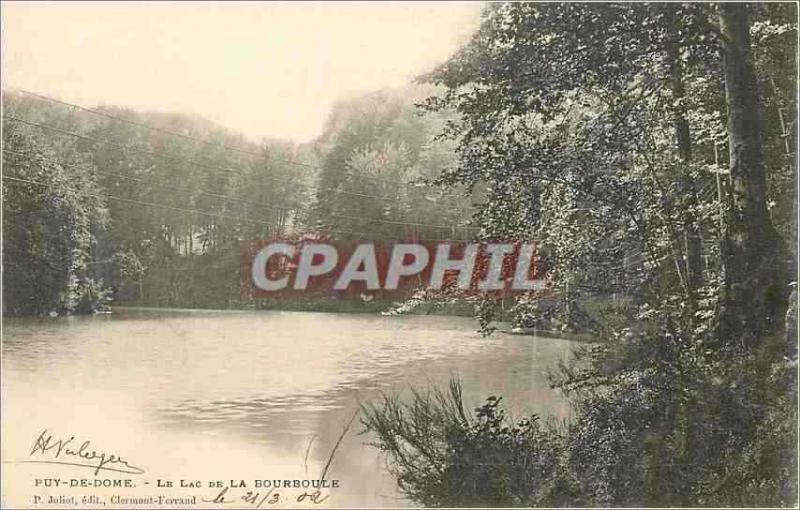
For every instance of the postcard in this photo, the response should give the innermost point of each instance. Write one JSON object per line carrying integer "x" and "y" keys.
{"x": 399, "y": 254}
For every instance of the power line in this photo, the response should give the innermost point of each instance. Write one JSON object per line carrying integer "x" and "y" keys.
{"x": 139, "y": 202}
{"x": 175, "y": 188}
{"x": 260, "y": 222}
{"x": 173, "y": 133}
{"x": 146, "y": 126}
{"x": 211, "y": 214}
{"x": 173, "y": 208}
{"x": 258, "y": 204}
{"x": 179, "y": 160}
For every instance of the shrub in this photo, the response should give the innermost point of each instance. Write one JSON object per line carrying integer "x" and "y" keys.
{"x": 677, "y": 429}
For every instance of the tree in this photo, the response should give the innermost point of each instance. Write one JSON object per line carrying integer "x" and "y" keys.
{"x": 379, "y": 161}
{"x": 752, "y": 256}
{"x": 50, "y": 210}
{"x": 178, "y": 196}
{"x": 595, "y": 129}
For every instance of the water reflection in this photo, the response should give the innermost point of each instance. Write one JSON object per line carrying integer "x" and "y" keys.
{"x": 244, "y": 393}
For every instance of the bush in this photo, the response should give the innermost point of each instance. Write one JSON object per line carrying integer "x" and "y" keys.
{"x": 442, "y": 455}
{"x": 673, "y": 430}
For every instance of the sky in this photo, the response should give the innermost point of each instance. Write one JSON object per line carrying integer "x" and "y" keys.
{"x": 266, "y": 69}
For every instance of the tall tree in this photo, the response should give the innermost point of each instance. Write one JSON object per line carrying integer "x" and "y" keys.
{"x": 50, "y": 210}
{"x": 752, "y": 256}
{"x": 570, "y": 113}
{"x": 683, "y": 137}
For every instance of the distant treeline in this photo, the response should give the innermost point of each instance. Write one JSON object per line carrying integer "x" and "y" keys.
{"x": 148, "y": 208}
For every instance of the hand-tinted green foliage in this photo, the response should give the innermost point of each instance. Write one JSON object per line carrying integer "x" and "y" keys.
{"x": 49, "y": 216}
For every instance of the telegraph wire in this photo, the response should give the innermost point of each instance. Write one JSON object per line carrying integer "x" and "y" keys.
{"x": 180, "y": 209}
{"x": 257, "y": 204}
{"x": 223, "y": 169}
{"x": 175, "y": 188}
{"x": 145, "y": 125}
{"x": 180, "y": 160}
{"x": 219, "y": 215}
{"x": 139, "y": 202}
{"x": 292, "y": 227}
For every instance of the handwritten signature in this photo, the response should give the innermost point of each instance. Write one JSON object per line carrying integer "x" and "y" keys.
{"x": 68, "y": 452}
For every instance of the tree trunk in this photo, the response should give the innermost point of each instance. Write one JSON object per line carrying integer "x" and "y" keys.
{"x": 691, "y": 231}
{"x": 751, "y": 293}
{"x": 791, "y": 326}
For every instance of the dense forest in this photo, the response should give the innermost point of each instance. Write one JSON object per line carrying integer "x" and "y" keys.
{"x": 648, "y": 149}
{"x": 149, "y": 208}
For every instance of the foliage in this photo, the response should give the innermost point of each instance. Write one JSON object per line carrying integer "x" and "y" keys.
{"x": 596, "y": 130}
{"x": 568, "y": 116}
{"x": 377, "y": 154}
{"x": 716, "y": 436}
{"x": 443, "y": 456}
{"x": 181, "y": 195}
{"x": 50, "y": 212}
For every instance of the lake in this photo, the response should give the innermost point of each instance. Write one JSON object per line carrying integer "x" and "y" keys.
{"x": 224, "y": 395}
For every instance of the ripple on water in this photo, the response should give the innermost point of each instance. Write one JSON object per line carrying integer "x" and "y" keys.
{"x": 270, "y": 379}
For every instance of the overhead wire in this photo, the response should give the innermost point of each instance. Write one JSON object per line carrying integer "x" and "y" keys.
{"x": 174, "y": 159}
{"x": 366, "y": 235}
{"x": 258, "y": 204}
{"x": 151, "y": 127}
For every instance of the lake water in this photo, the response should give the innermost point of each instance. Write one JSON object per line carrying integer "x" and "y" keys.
{"x": 206, "y": 395}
